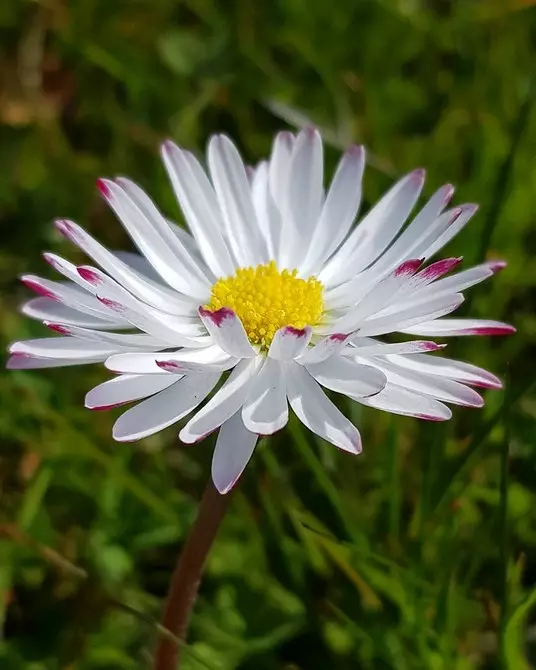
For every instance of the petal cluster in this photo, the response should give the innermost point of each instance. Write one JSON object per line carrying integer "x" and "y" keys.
{"x": 163, "y": 319}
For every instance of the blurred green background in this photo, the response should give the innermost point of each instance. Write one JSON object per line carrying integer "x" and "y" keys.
{"x": 421, "y": 553}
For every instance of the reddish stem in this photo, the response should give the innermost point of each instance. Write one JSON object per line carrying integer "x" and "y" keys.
{"x": 186, "y": 578}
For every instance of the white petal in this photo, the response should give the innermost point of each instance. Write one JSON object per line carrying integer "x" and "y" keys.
{"x": 164, "y": 408}
{"x": 157, "y": 242}
{"x": 266, "y": 410}
{"x": 20, "y": 361}
{"x": 437, "y": 387}
{"x": 180, "y": 367}
{"x": 208, "y": 359}
{"x": 189, "y": 242}
{"x": 200, "y": 206}
{"x": 427, "y": 225}
{"x": 234, "y": 448}
{"x": 460, "y": 281}
{"x": 305, "y": 192}
{"x": 448, "y": 327}
{"x": 384, "y": 349}
{"x": 142, "y": 266}
{"x": 277, "y": 197}
{"x": 445, "y": 367}
{"x": 399, "y": 400}
{"x": 375, "y": 232}
{"x": 401, "y": 321}
{"x": 227, "y": 331}
{"x": 194, "y": 264}
{"x": 407, "y": 245}
{"x": 196, "y": 360}
{"x": 136, "y": 363}
{"x": 63, "y": 347}
{"x": 67, "y": 269}
{"x": 380, "y": 296}
{"x": 124, "y": 340}
{"x": 325, "y": 348}
{"x": 466, "y": 215}
{"x": 126, "y": 388}
{"x": 47, "y": 309}
{"x": 344, "y": 375}
{"x": 234, "y": 196}
{"x": 339, "y": 210}
{"x": 156, "y": 294}
{"x": 268, "y": 217}
{"x": 224, "y": 403}
{"x": 176, "y": 330}
{"x": 71, "y": 296}
{"x": 280, "y": 166}
{"x": 318, "y": 413}
{"x": 431, "y": 239}
{"x": 289, "y": 343}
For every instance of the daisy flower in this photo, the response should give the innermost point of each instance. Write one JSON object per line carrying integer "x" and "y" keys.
{"x": 273, "y": 293}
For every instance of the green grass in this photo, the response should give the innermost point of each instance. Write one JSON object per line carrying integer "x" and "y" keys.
{"x": 420, "y": 554}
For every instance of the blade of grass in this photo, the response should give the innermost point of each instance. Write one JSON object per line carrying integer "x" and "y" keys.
{"x": 503, "y": 175}
{"x": 503, "y": 522}
{"x": 461, "y": 464}
{"x": 514, "y": 633}
{"x": 33, "y": 497}
{"x": 324, "y": 480}
{"x": 394, "y": 493}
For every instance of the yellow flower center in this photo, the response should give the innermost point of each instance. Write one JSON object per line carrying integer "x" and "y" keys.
{"x": 266, "y": 299}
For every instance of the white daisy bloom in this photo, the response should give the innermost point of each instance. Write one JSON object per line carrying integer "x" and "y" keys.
{"x": 272, "y": 288}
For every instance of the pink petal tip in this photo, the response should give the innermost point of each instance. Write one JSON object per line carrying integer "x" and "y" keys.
{"x": 338, "y": 337}
{"x": 448, "y": 193}
{"x": 170, "y": 366}
{"x": 432, "y": 346}
{"x": 112, "y": 304}
{"x": 492, "y": 330}
{"x": 102, "y": 408}
{"x": 58, "y": 328}
{"x": 497, "y": 266}
{"x": 103, "y": 187}
{"x": 440, "y": 268}
{"x": 409, "y": 267}
{"x": 50, "y": 259}
{"x": 494, "y": 385}
{"x": 37, "y": 288}
{"x": 356, "y": 151}
{"x": 296, "y": 332}
{"x": 418, "y": 176}
{"x": 218, "y": 316}
{"x": 89, "y": 275}
{"x": 66, "y": 228}
{"x": 429, "y": 417}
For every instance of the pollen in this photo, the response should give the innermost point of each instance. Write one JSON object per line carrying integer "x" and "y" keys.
{"x": 267, "y": 299}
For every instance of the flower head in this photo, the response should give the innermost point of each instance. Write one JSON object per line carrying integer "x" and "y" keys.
{"x": 272, "y": 287}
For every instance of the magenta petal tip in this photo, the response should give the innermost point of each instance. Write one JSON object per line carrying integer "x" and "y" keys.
{"x": 37, "y": 288}
{"x": 89, "y": 275}
{"x": 496, "y": 266}
{"x": 102, "y": 185}
{"x": 408, "y": 267}
{"x": 169, "y": 366}
{"x": 418, "y": 175}
{"x": 297, "y": 332}
{"x": 112, "y": 304}
{"x": 218, "y": 316}
{"x": 57, "y": 328}
{"x": 430, "y": 417}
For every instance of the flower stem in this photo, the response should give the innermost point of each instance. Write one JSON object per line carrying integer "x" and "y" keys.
{"x": 187, "y": 576}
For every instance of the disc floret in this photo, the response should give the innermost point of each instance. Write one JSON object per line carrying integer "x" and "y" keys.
{"x": 266, "y": 299}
